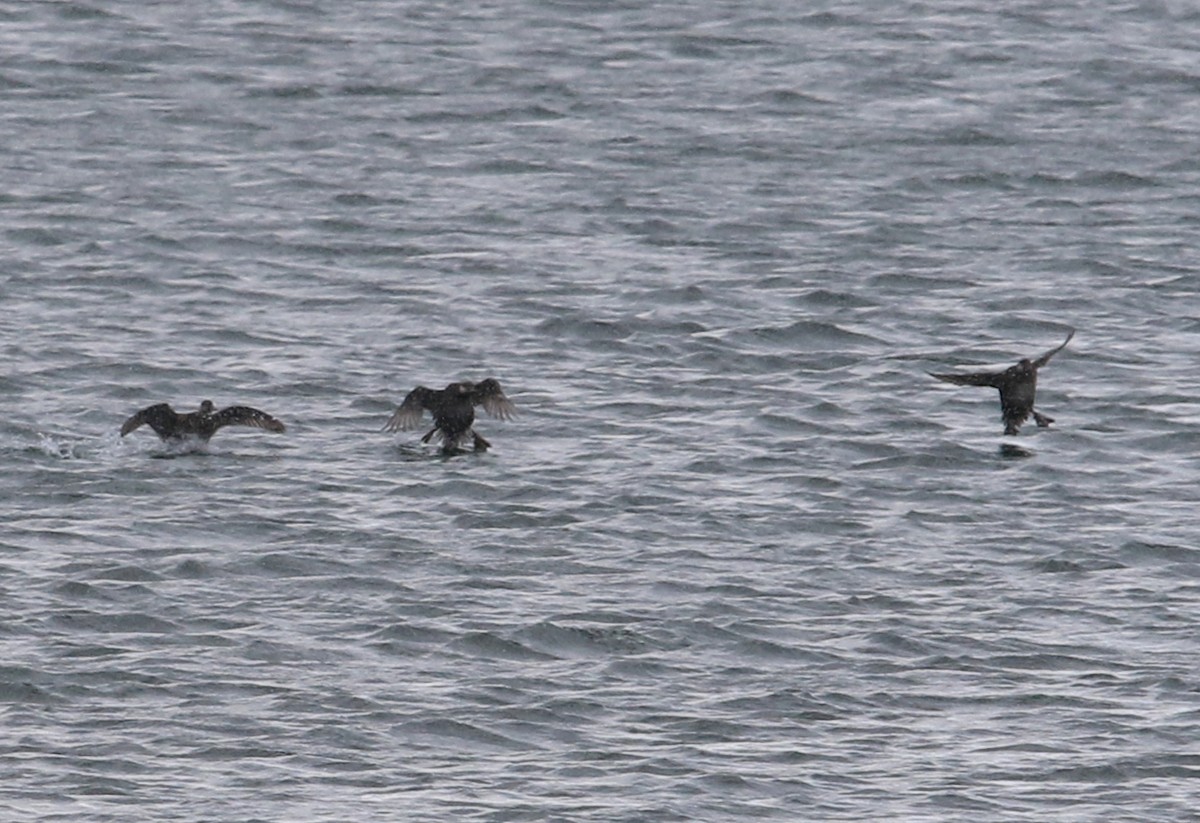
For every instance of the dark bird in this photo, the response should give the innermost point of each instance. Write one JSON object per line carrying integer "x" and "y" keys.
{"x": 1017, "y": 385}
{"x": 453, "y": 410}
{"x": 199, "y": 425}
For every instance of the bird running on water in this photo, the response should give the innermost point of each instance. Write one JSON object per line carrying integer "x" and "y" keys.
{"x": 453, "y": 410}
{"x": 169, "y": 425}
{"x": 1017, "y": 385}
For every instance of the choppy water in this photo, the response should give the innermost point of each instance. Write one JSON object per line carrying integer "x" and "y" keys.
{"x": 739, "y": 558}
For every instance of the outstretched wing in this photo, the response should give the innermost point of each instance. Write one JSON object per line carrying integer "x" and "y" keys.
{"x": 158, "y": 417}
{"x": 979, "y": 378}
{"x": 409, "y": 413}
{"x": 1045, "y": 358}
{"x": 245, "y": 416}
{"x": 489, "y": 395}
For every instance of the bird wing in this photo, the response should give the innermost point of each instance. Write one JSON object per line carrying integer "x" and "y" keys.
{"x": 408, "y": 414}
{"x": 1045, "y": 358}
{"x": 155, "y": 415}
{"x": 489, "y": 395}
{"x": 979, "y": 378}
{"x": 245, "y": 416}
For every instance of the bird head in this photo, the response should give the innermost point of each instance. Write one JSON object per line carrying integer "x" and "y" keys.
{"x": 206, "y": 407}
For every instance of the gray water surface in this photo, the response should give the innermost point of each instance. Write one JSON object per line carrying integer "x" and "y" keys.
{"x": 738, "y": 557}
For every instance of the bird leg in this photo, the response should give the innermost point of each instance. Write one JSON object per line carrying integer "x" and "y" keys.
{"x": 1042, "y": 420}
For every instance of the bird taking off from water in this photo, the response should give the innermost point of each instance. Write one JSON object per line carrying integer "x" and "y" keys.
{"x": 453, "y": 410}
{"x": 199, "y": 425}
{"x": 1017, "y": 385}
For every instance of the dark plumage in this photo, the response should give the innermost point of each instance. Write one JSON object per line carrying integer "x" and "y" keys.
{"x": 200, "y": 425}
{"x": 1017, "y": 385}
{"x": 453, "y": 410}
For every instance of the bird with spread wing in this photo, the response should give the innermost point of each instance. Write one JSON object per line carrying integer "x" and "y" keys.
{"x": 1017, "y": 385}
{"x": 453, "y": 410}
{"x": 200, "y": 425}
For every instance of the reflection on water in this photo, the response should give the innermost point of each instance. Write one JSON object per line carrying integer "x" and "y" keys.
{"x": 1010, "y": 450}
